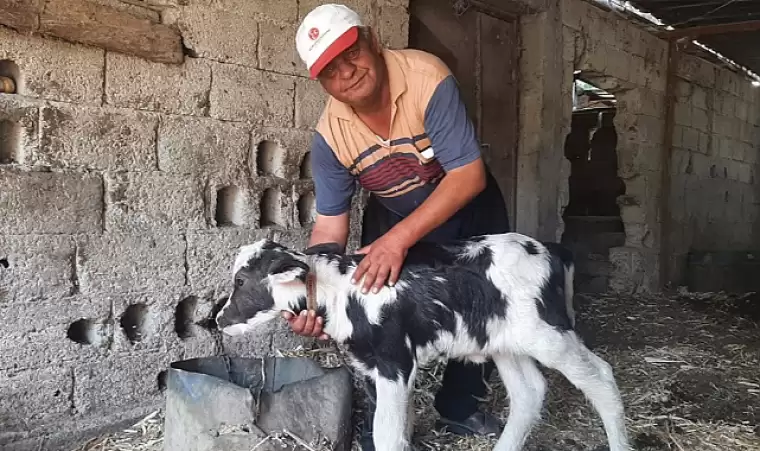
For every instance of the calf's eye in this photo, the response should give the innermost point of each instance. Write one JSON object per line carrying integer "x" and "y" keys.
{"x": 239, "y": 282}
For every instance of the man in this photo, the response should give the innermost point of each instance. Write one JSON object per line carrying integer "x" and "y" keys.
{"x": 394, "y": 121}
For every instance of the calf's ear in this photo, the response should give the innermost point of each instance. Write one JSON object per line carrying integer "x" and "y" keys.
{"x": 287, "y": 269}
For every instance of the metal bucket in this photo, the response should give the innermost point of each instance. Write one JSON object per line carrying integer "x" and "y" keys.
{"x": 234, "y": 403}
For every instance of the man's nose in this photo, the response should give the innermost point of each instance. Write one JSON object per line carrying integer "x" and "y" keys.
{"x": 345, "y": 69}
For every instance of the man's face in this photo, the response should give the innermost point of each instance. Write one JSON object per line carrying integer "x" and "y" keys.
{"x": 355, "y": 76}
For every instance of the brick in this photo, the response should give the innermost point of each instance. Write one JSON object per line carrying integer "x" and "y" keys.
{"x": 256, "y": 10}
{"x": 683, "y": 112}
{"x": 135, "y": 83}
{"x": 38, "y": 266}
{"x": 50, "y": 203}
{"x": 700, "y": 120}
{"x": 242, "y": 94}
{"x": 54, "y": 70}
{"x": 35, "y": 397}
{"x": 131, "y": 381}
{"x": 94, "y": 138}
{"x": 39, "y": 334}
{"x": 148, "y": 201}
{"x": 697, "y": 70}
{"x": 310, "y": 102}
{"x": 229, "y": 36}
{"x": 191, "y": 145}
{"x": 690, "y": 139}
{"x": 278, "y": 50}
{"x": 106, "y": 27}
{"x": 362, "y": 7}
{"x": 699, "y": 98}
{"x": 393, "y": 24}
{"x": 118, "y": 263}
{"x": 24, "y": 117}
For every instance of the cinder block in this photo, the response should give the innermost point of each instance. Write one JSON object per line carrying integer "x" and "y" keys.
{"x": 21, "y": 114}
{"x": 742, "y": 109}
{"x": 650, "y": 129}
{"x": 652, "y": 103}
{"x": 705, "y": 142}
{"x": 50, "y": 203}
{"x": 683, "y": 112}
{"x": 256, "y": 10}
{"x": 699, "y": 98}
{"x": 93, "y": 138}
{"x": 226, "y": 35}
{"x": 190, "y": 145}
{"x": 678, "y": 131}
{"x": 119, "y": 382}
{"x": 141, "y": 12}
{"x": 292, "y": 145}
{"x": 394, "y": 26}
{"x": 310, "y": 102}
{"x": 150, "y": 201}
{"x": 568, "y": 49}
{"x": 700, "y": 120}
{"x": 572, "y": 14}
{"x": 136, "y": 83}
{"x": 53, "y": 69}
{"x": 697, "y": 70}
{"x": 362, "y": 7}
{"x": 144, "y": 321}
{"x": 55, "y": 330}
{"x": 618, "y": 63}
{"x": 34, "y": 266}
{"x": 277, "y": 49}
{"x": 243, "y": 94}
{"x": 35, "y": 397}
{"x": 638, "y": 71}
{"x": 691, "y": 139}
{"x": 119, "y": 263}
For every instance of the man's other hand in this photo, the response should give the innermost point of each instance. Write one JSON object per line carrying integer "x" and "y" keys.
{"x": 306, "y": 325}
{"x": 382, "y": 262}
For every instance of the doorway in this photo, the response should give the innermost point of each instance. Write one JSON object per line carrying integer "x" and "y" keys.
{"x": 482, "y": 51}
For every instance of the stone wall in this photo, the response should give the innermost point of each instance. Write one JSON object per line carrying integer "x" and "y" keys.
{"x": 715, "y": 196}
{"x": 127, "y": 185}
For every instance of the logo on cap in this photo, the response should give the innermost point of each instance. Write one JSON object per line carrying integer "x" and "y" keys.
{"x": 314, "y": 33}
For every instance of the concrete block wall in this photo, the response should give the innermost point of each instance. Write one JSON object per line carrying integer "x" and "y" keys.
{"x": 127, "y": 185}
{"x": 715, "y": 197}
{"x": 630, "y": 63}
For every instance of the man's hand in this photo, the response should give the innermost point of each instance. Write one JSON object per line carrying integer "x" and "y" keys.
{"x": 306, "y": 325}
{"x": 382, "y": 261}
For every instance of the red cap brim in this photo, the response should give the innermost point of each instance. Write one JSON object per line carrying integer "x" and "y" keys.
{"x": 345, "y": 41}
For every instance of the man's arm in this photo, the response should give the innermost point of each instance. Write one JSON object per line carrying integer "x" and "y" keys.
{"x": 334, "y": 187}
{"x": 456, "y": 148}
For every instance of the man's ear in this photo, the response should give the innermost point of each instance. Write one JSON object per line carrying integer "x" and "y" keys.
{"x": 287, "y": 269}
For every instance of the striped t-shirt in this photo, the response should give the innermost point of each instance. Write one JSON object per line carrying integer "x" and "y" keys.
{"x": 430, "y": 134}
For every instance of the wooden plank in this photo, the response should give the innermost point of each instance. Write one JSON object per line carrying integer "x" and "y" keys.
{"x": 83, "y": 22}
{"x": 709, "y": 30}
{"x": 21, "y": 15}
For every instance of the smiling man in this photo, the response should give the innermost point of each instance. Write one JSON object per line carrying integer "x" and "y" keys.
{"x": 394, "y": 122}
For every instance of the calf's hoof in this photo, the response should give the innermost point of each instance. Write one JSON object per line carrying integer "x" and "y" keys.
{"x": 479, "y": 423}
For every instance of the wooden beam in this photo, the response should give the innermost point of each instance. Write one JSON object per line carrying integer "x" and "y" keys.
{"x": 105, "y": 27}
{"x": 708, "y": 30}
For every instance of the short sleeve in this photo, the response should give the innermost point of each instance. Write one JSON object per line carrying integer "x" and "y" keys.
{"x": 450, "y": 130}
{"x": 334, "y": 186}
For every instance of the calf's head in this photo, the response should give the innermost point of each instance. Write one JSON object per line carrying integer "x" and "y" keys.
{"x": 267, "y": 278}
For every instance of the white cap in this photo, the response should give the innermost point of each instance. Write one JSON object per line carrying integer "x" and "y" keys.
{"x": 324, "y": 33}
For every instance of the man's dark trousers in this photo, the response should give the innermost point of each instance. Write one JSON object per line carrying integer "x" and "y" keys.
{"x": 462, "y": 382}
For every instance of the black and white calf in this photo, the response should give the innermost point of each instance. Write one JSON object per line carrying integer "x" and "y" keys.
{"x": 507, "y": 297}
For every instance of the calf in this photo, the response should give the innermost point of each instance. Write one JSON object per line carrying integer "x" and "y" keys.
{"x": 505, "y": 297}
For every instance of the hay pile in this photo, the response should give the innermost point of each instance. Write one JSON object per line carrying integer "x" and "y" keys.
{"x": 687, "y": 366}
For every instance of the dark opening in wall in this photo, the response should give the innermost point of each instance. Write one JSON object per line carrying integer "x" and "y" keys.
{"x": 134, "y": 322}
{"x": 184, "y": 316}
{"x": 4, "y": 263}
{"x": 84, "y": 331}
{"x": 305, "y": 172}
{"x": 306, "y": 209}
{"x": 10, "y": 77}
{"x": 229, "y": 207}
{"x": 592, "y": 217}
{"x": 271, "y": 208}
{"x": 209, "y": 322}
{"x": 269, "y": 158}
{"x": 10, "y": 142}
{"x": 161, "y": 379}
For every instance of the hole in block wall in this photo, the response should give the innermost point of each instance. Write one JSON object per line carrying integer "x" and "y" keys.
{"x": 271, "y": 208}
{"x": 229, "y": 207}
{"x": 209, "y": 322}
{"x": 4, "y": 263}
{"x": 134, "y": 322}
{"x": 84, "y": 331}
{"x": 10, "y": 77}
{"x": 161, "y": 379}
{"x": 10, "y": 142}
{"x": 305, "y": 172}
{"x": 269, "y": 158}
{"x": 183, "y": 317}
{"x": 306, "y": 209}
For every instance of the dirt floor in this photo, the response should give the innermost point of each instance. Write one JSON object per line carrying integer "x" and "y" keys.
{"x": 688, "y": 367}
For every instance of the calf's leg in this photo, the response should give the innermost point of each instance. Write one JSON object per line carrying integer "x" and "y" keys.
{"x": 593, "y": 376}
{"x": 526, "y": 388}
{"x": 391, "y": 412}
